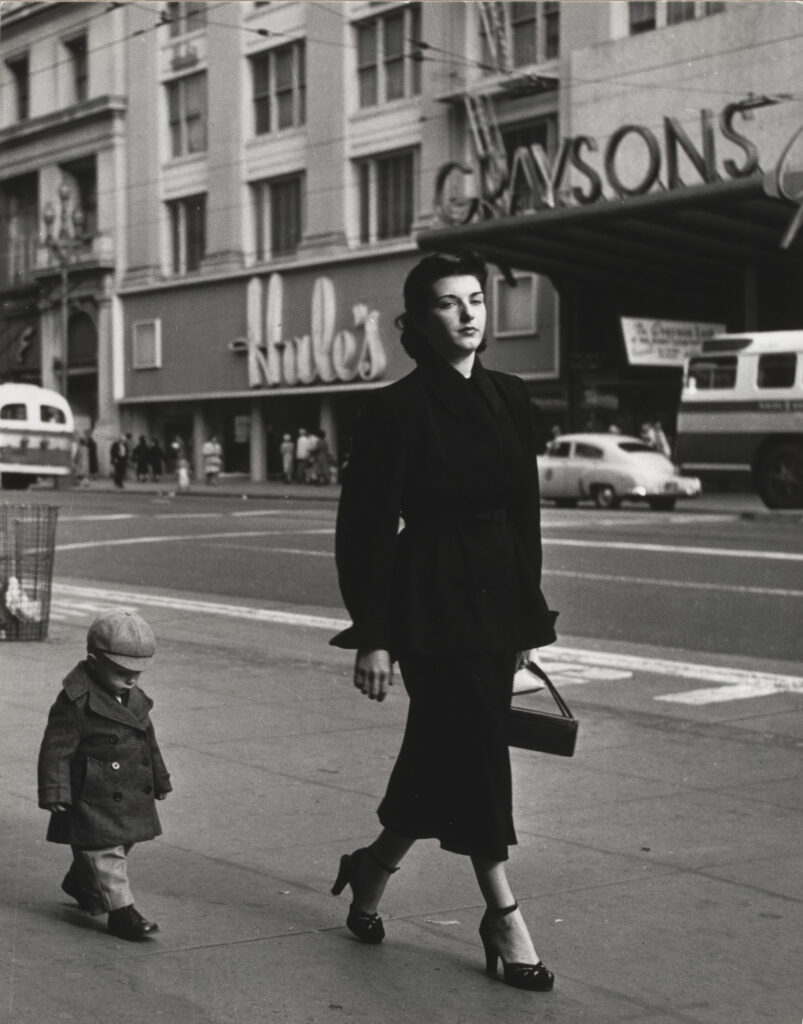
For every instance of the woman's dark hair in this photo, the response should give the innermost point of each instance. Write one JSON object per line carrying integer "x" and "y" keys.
{"x": 417, "y": 293}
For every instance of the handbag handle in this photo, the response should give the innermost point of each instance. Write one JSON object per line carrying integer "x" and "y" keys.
{"x": 563, "y": 707}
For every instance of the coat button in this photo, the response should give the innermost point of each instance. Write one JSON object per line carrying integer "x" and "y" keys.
{"x": 113, "y": 740}
{"x": 117, "y": 796}
{"x": 145, "y": 762}
{"x": 115, "y": 766}
{"x": 148, "y": 790}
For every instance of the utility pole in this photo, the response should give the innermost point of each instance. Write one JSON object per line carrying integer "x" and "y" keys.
{"x": 63, "y": 249}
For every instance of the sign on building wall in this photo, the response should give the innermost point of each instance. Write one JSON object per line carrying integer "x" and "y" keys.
{"x": 665, "y": 342}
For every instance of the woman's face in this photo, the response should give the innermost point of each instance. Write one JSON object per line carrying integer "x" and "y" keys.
{"x": 455, "y": 316}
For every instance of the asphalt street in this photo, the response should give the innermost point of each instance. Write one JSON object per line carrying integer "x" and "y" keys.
{"x": 659, "y": 868}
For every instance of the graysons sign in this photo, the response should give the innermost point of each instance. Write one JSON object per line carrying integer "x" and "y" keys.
{"x": 325, "y": 354}
{"x": 531, "y": 181}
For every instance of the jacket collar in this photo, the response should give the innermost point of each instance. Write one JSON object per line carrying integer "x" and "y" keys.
{"x": 135, "y": 714}
{"x": 448, "y": 386}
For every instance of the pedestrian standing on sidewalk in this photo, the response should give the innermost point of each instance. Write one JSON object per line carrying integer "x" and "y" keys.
{"x": 212, "y": 453}
{"x": 454, "y": 597}
{"x": 100, "y": 769}
{"x": 118, "y": 456}
{"x": 287, "y": 450}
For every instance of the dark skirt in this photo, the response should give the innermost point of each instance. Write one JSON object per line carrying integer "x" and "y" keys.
{"x": 451, "y": 780}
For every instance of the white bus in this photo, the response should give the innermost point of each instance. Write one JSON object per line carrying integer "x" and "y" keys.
{"x": 741, "y": 413}
{"x": 37, "y": 432}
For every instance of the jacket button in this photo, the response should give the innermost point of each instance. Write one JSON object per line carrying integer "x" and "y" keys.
{"x": 115, "y": 766}
{"x": 145, "y": 762}
{"x": 148, "y": 790}
{"x": 113, "y": 740}
{"x": 117, "y": 796}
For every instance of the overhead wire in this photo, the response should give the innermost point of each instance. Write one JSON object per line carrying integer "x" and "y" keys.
{"x": 319, "y": 193}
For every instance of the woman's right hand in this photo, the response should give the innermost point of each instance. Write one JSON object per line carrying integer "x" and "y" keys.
{"x": 373, "y": 673}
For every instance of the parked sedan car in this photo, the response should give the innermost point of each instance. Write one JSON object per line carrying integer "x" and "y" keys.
{"x": 608, "y": 469}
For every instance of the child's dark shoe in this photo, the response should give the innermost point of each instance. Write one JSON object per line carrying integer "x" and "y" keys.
{"x": 128, "y": 923}
{"x": 86, "y": 900}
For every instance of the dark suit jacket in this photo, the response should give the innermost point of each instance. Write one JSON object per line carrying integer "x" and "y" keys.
{"x": 456, "y": 460}
{"x": 103, "y": 760}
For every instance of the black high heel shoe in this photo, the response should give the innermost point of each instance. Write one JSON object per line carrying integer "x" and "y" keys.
{"x": 533, "y": 977}
{"x": 367, "y": 927}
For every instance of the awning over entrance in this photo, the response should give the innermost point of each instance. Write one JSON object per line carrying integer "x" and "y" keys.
{"x": 696, "y": 237}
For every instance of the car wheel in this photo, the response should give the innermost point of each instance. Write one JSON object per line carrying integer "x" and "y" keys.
{"x": 780, "y": 477}
{"x": 565, "y": 502}
{"x": 605, "y": 497}
{"x": 662, "y": 504}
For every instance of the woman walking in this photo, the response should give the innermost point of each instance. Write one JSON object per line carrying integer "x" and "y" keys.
{"x": 454, "y": 597}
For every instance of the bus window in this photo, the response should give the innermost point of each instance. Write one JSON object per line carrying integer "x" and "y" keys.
{"x": 50, "y": 414}
{"x": 708, "y": 373}
{"x": 777, "y": 370}
{"x": 13, "y": 411}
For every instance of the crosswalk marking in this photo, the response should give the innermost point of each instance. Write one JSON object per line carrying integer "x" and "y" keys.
{"x": 571, "y": 664}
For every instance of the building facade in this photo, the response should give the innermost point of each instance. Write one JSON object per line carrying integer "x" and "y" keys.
{"x": 254, "y": 181}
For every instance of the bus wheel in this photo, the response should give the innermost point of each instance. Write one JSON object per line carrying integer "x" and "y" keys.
{"x": 780, "y": 477}
{"x": 15, "y": 481}
{"x": 662, "y": 504}
{"x": 605, "y": 497}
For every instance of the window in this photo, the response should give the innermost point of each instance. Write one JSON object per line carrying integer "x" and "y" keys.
{"x": 678, "y": 12}
{"x": 542, "y": 131}
{"x": 185, "y": 17}
{"x": 19, "y": 228}
{"x": 146, "y": 344}
{"x": 187, "y": 233}
{"x": 187, "y": 114}
{"x": 386, "y": 196}
{"x": 514, "y": 308}
{"x": 388, "y": 64}
{"x": 279, "y": 84}
{"x": 14, "y": 411}
{"x": 642, "y": 16}
{"x": 709, "y": 373}
{"x": 559, "y": 449}
{"x": 777, "y": 370}
{"x": 587, "y": 451}
{"x": 524, "y": 20}
{"x": 20, "y": 76}
{"x": 513, "y": 35}
{"x": 279, "y": 215}
{"x": 77, "y": 49}
{"x": 50, "y": 414}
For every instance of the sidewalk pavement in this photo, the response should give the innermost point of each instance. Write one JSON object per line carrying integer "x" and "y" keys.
{"x": 746, "y": 504}
{"x": 659, "y": 868}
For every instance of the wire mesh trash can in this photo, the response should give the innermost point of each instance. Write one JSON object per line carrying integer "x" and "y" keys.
{"x": 27, "y": 549}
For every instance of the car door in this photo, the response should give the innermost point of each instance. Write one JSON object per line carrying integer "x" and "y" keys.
{"x": 553, "y": 471}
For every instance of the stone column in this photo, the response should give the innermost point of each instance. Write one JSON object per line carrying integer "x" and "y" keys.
{"x": 258, "y": 454}
{"x": 199, "y": 436}
{"x": 107, "y": 427}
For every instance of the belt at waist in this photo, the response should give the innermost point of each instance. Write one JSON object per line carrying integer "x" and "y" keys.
{"x": 466, "y": 517}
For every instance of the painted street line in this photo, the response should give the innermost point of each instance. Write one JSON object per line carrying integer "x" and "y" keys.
{"x": 675, "y": 549}
{"x": 97, "y": 518}
{"x": 180, "y": 537}
{"x": 732, "y": 683}
{"x": 687, "y": 584}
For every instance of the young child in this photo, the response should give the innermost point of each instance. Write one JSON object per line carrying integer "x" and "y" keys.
{"x": 100, "y": 769}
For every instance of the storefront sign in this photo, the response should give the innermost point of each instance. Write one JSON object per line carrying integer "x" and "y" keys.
{"x": 665, "y": 342}
{"x": 532, "y": 181}
{"x": 324, "y": 355}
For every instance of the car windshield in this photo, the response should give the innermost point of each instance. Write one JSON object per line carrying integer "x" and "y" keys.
{"x": 636, "y": 446}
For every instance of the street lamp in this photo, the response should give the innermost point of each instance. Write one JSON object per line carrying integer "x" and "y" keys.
{"x": 63, "y": 248}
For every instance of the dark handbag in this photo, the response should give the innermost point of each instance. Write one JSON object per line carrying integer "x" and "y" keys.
{"x": 543, "y": 730}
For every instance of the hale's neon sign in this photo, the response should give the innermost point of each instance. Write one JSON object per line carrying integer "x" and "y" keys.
{"x": 324, "y": 355}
